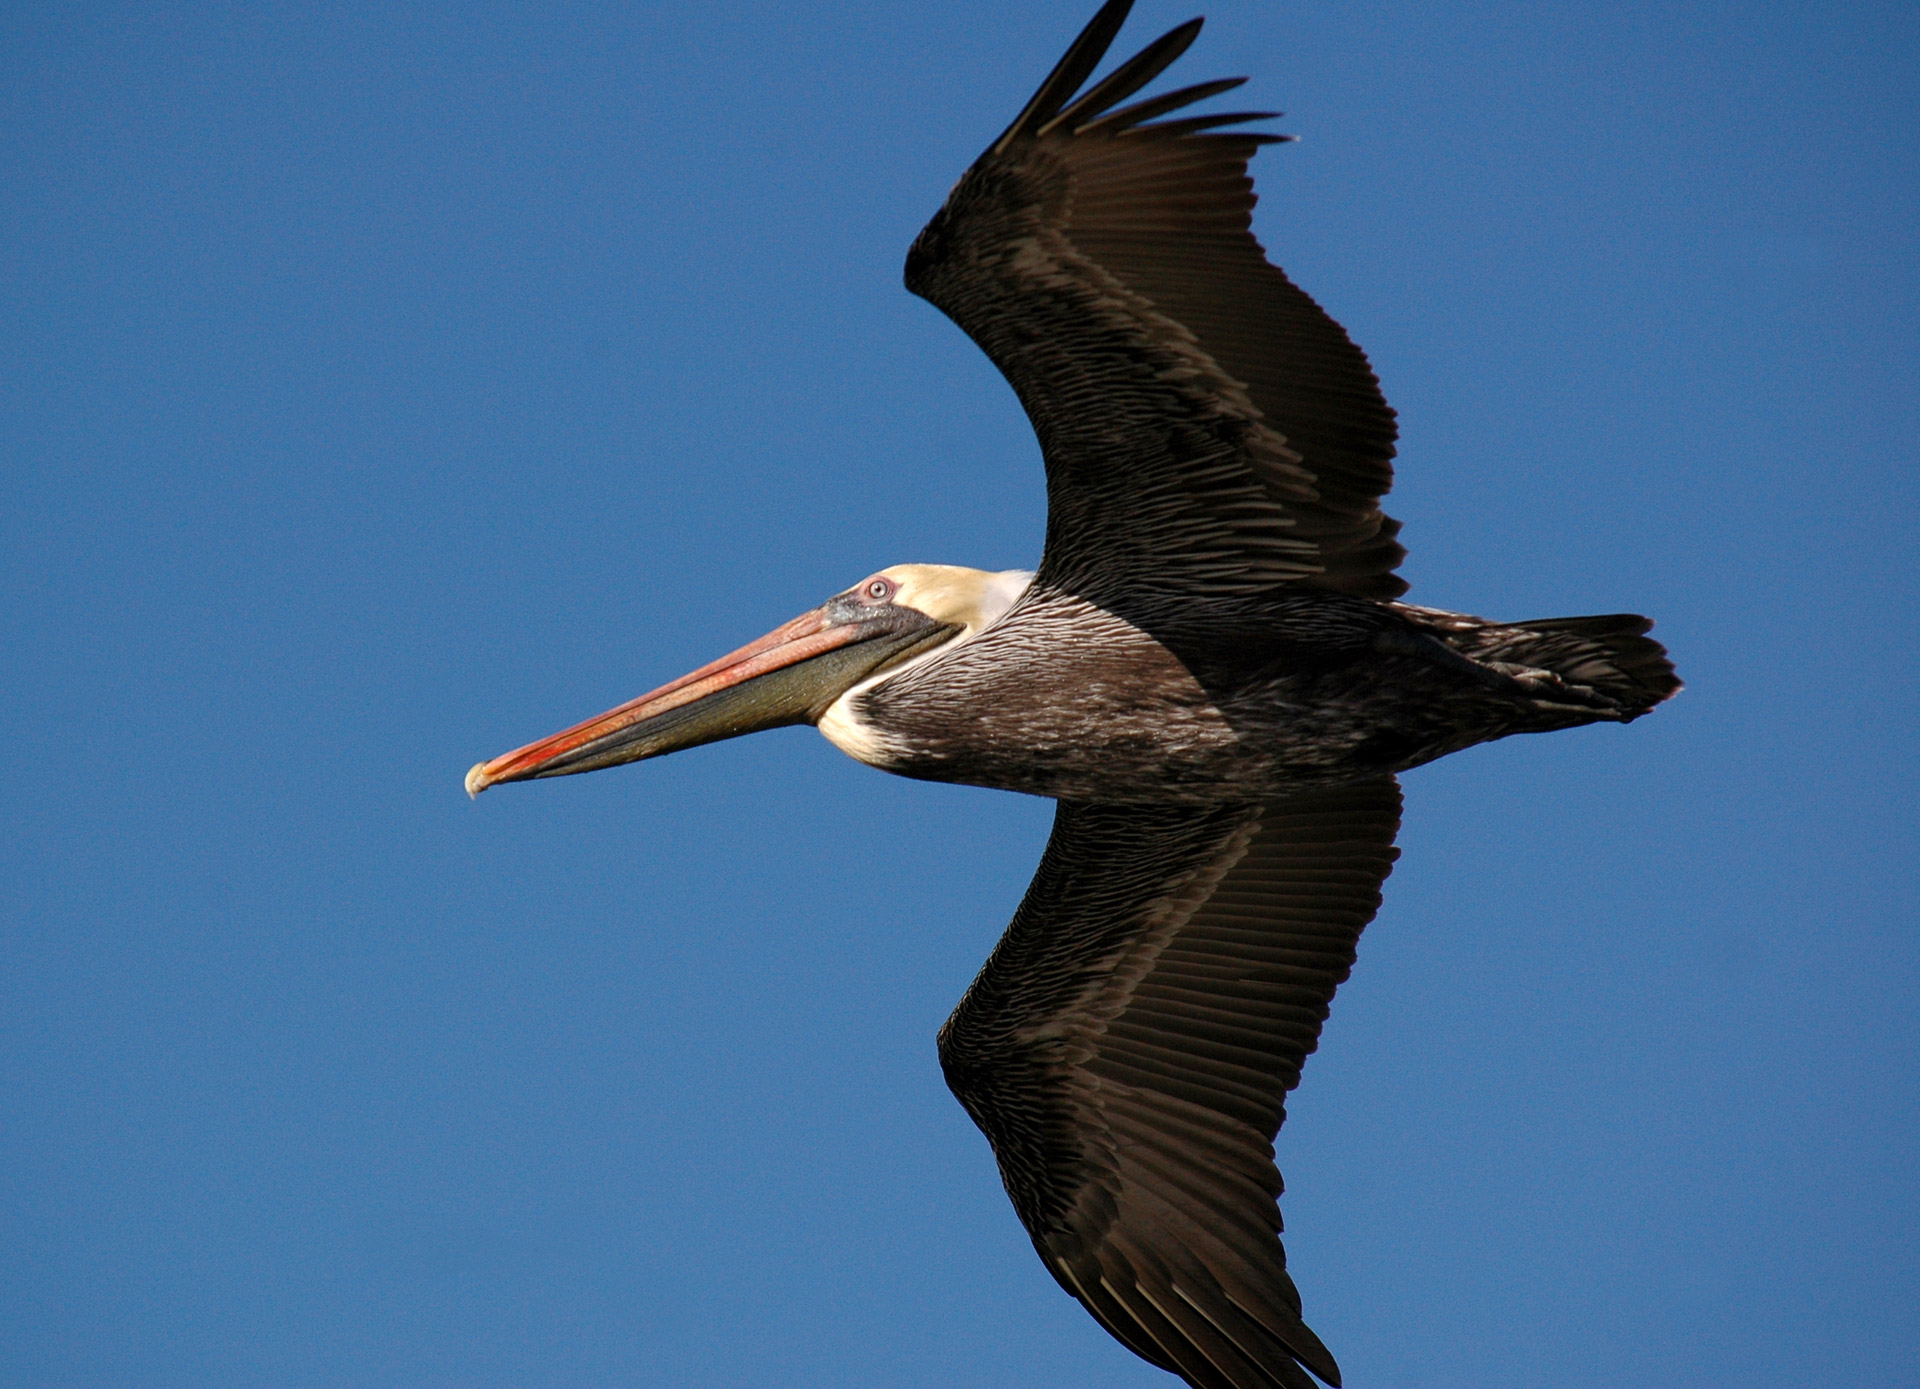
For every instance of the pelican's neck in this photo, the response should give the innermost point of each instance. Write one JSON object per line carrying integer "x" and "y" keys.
{"x": 972, "y": 599}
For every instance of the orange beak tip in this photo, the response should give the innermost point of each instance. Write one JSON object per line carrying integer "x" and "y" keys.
{"x": 477, "y": 780}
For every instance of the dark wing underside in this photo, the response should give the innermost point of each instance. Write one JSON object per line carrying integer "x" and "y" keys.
{"x": 1128, "y": 1047}
{"x": 1207, "y": 427}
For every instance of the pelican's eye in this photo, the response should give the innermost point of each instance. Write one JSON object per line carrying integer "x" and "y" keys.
{"x": 880, "y": 590}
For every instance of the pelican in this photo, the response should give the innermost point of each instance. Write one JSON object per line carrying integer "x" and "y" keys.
{"x": 1210, "y": 673}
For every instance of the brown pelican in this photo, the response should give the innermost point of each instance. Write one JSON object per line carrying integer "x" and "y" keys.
{"x": 1208, "y": 671}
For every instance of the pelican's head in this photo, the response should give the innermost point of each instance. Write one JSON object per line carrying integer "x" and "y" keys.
{"x": 791, "y": 675}
{"x": 967, "y": 599}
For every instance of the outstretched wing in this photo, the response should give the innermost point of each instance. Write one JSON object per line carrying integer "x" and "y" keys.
{"x": 1128, "y": 1048}
{"x": 1207, "y": 427}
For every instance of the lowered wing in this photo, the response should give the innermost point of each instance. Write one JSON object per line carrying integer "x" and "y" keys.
{"x": 1207, "y": 427}
{"x": 1128, "y": 1047}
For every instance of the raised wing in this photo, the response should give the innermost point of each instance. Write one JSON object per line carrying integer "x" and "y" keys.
{"x": 1128, "y": 1048}
{"x": 1207, "y": 427}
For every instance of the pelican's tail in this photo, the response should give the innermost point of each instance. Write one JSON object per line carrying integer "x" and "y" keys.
{"x": 1606, "y": 664}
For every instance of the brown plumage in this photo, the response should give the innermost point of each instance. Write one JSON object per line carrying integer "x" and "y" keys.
{"x": 1216, "y": 449}
{"x": 1209, "y": 671}
{"x": 1207, "y": 427}
{"x": 1130, "y": 1043}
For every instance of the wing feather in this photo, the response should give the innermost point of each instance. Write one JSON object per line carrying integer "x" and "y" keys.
{"x": 1076, "y": 65}
{"x": 1128, "y": 78}
{"x": 1142, "y": 111}
{"x": 1207, "y": 427}
{"x": 1129, "y": 1046}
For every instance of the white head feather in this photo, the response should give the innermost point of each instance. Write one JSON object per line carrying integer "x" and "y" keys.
{"x": 971, "y": 599}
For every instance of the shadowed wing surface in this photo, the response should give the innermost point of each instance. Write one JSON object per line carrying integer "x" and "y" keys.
{"x": 1128, "y": 1047}
{"x": 1207, "y": 427}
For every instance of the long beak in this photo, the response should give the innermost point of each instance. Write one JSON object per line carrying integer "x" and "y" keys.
{"x": 789, "y": 676}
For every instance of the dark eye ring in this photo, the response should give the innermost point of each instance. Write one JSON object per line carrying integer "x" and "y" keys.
{"x": 879, "y": 590}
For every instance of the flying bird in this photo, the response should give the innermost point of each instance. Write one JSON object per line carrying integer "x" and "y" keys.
{"x": 1210, "y": 672}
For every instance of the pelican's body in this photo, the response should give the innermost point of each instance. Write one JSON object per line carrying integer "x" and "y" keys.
{"x": 1238, "y": 698}
{"x": 1209, "y": 671}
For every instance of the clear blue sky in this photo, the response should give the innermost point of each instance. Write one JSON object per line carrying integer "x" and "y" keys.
{"x": 384, "y": 386}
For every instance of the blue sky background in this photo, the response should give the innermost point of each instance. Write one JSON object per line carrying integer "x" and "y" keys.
{"x": 384, "y": 386}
